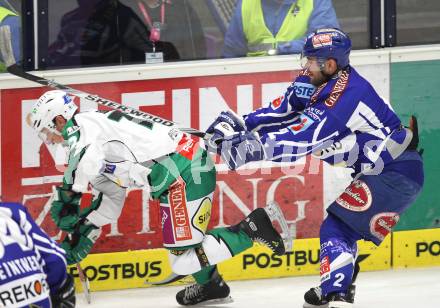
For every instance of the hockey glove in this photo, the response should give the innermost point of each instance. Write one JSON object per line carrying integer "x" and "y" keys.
{"x": 415, "y": 139}
{"x": 241, "y": 148}
{"x": 65, "y": 296}
{"x": 79, "y": 244}
{"x": 65, "y": 208}
{"x": 226, "y": 124}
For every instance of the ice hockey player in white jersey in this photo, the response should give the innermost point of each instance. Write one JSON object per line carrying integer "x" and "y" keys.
{"x": 112, "y": 151}
{"x": 32, "y": 266}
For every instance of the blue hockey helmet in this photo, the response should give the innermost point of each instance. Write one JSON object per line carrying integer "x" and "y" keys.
{"x": 328, "y": 43}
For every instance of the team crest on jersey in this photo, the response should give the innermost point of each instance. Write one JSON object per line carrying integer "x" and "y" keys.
{"x": 276, "y": 103}
{"x": 321, "y": 40}
{"x": 304, "y": 122}
{"x": 382, "y": 223}
{"x": 356, "y": 197}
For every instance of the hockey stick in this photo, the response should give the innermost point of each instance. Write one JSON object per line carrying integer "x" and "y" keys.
{"x": 82, "y": 278}
{"x": 173, "y": 277}
{"x": 14, "y": 69}
{"x": 85, "y": 283}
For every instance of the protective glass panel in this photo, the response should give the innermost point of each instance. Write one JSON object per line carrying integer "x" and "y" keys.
{"x": 10, "y": 18}
{"x": 418, "y": 22}
{"x": 353, "y": 17}
{"x": 109, "y": 32}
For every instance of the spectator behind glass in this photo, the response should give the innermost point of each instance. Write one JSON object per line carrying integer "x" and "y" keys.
{"x": 102, "y": 32}
{"x": 178, "y": 23}
{"x": 268, "y": 27}
{"x": 10, "y": 19}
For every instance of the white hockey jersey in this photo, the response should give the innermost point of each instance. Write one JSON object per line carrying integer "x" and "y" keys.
{"x": 115, "y": 145}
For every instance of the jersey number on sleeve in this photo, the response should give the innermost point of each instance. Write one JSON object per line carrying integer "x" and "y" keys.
{"x": 10, "y": 232}
{"x": 117, "y": 116}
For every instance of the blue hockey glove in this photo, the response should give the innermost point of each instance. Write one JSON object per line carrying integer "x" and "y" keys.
{"x": 226, "y": 124}
{"x": 241, "y": 148}
{"x": 64, "y": 297}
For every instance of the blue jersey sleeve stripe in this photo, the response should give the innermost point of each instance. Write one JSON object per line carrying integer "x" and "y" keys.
{"x": 51, "y": 252}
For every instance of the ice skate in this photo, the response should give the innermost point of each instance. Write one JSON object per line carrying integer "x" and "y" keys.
{"x": 313, "y": 298}
{"x": 258, "y": 226}
{"x": 340, "y": 300}
{"x": 275, "y": 214}
{"x": 215, "y": 292}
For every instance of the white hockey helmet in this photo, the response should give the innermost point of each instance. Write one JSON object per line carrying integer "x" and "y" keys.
{"x": 48, "y": 106}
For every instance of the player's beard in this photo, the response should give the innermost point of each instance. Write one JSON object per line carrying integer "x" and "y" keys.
{"x": 318, "y": 79}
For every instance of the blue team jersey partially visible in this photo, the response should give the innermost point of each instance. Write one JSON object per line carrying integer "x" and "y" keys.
{"x": 343, "y": 122}
{"x": 31, "y": 264}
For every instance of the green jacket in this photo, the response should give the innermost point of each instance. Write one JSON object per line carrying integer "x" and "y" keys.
{"x": 4, "y": 12}
{"x": 260, "y": 39}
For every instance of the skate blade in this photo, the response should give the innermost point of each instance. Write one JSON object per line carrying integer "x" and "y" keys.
{"x": 217, "y": 301}
{"x": 339, "y": 305}
{"x": 275, "y": 213}
{"x": 306, "y": 305}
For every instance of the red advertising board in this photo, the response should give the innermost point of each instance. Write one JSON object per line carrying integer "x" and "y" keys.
{"x": 28, "y": 171}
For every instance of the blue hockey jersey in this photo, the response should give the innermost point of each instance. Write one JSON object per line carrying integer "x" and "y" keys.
{"x": 343, "y": 122}
{"x": 31, "y": 264}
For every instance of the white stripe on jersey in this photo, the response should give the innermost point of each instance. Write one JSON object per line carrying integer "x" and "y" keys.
{"x": 283, "y": 124}
{"x": 51, "y": 251}
{"x": 47, "y": 241}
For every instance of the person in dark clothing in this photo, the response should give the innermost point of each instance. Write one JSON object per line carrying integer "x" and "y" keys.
{"x": 178, "y": 23}
{"x": 103, "y": 32}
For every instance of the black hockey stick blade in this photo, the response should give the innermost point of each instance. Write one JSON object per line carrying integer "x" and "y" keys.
{"x": 170, "y": 279}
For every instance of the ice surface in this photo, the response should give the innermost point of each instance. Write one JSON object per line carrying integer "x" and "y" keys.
{"x": 406, "y": 288}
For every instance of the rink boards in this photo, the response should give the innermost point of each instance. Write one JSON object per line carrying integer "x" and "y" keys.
{"x": 136, "y": 269}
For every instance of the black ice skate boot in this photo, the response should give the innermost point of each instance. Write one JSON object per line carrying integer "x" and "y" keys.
{"x": 216, "y": 291}
{"x": 313, "y": 298}
{"x": 259, "y": 228}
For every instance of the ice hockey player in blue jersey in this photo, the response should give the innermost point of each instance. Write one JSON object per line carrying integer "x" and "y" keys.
{"x": 32, "y": 266}
{"x": 334, "y": 114}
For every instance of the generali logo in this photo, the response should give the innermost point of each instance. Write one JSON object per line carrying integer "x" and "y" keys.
{"x": 177, "y": 199}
